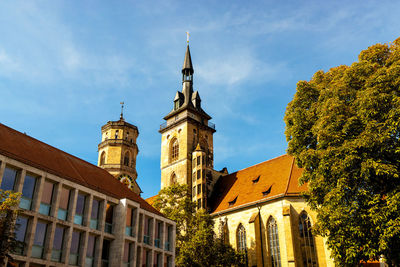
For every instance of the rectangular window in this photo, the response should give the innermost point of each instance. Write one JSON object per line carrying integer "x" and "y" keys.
{"x": 194, "y": 191}
{"x": 168, "y": 261}
{"x": 198, "y": 160}
{"x": 109, "y": 218}
{"x": 105, "y": 254}
{"x": 204, "y": 189}
{"x": 127, "y": 254}
{"x": 128, "y": 226}
{"x": 64, "y": 203}
{"x": 199, "y": 204}
{"x": 39, "y": 240}
{"x": 90, "y": 251}
{"x": 130, "y": 221}
{"x": 47, "y": 196}
{"x": 158, "y": 234}
{"x": 9, "y": 177}
{"x": 148, "y": 231}
{"x": 94, "y": 217}
{"x": 198, "y": 174}
{"x": 199, "y": 189}
{"x": 80, "y": 207}
{"x": 20, "y": 232}
{"x": 194, "y": 176}
{"x": 203, "y": 174}
{"x": 74, "y": 250}
{"x": 58, "y": 243}
{"x": 168, "y": 242}
{"x": 157, "y": 260}
{"x": 27, "y": 192}
{"x": 204, "y": 160}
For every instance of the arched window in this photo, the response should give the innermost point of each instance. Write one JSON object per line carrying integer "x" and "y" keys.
{"x": 173, "y": 179}
{"x": 273, "y": 242}
{"x": 241, "y": 239}
{"x": 307, "y": 241}
{"x": 174, "y": 150}
{"x": 126, "y": 158}
{"x": 103, "y": 158}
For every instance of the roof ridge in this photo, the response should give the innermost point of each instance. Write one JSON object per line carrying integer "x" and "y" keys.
{"x": 258, "y": 164}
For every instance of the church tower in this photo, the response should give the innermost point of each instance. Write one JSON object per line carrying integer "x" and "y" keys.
{"x": 118, "y": 151}
{"x": 186, "y": 138}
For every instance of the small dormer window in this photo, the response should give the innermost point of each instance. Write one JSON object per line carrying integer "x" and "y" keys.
{"x": 232, "y": 202}
{"x": 256, "y": 180}
{"x": 176, "y": 104}
{"x": 266, "y": 192}
{"x": 116, "y": 134}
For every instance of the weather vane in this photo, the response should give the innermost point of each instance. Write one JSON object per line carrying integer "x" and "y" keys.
{"x": 122, "y": 110}
{"x": 187, "y": 37}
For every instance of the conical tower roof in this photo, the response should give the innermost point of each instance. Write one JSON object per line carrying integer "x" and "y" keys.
{"x": 187, "y": 63}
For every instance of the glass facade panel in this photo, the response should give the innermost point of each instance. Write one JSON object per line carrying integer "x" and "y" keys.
{"x": 64, "y": 202}
{"x": 105, "y": 254}
{"x": 90, "y": 251}
{"x": 95, "y": 214}
{"x": 127, "y": 252}
{"x": 39, "y": 240}
{"x": 80, "y": 206}
{"x": 109, "y": 218}
{"x": 74, "y": 250}
{"x": 27, "y": 192}
{"x": 20, "y": 232}
{"x": 8, "y": 181}
{"x": 47, "y": 196}
{"x": 58, "y": 244}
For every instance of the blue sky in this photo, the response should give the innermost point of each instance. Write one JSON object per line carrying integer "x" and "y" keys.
{"x": 66, "y": 65}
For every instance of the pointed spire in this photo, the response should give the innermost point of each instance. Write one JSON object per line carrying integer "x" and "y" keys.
{"x": 187, "y": 63}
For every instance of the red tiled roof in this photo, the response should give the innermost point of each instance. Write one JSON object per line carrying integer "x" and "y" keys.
{"x": 150, "y": 200}
{"x": 30, "y": 151}
{"x": 274, "y": 178}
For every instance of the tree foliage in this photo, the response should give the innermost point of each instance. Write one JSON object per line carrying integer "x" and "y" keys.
{"x": 343, "y": 127}
{"x": 9, "y": 200}
{"x": 196, "y": 242}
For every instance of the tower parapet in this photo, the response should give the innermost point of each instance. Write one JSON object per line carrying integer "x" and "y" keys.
{"x": 118, "y": 151}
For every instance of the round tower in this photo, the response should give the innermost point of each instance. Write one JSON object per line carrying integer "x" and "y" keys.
{"x": 118, "y": 151}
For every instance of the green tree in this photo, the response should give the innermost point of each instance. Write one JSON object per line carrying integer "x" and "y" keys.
{"x": 9, "y": 200}
{"x": 343, "y": 127}
{"x": 196, "y": 242}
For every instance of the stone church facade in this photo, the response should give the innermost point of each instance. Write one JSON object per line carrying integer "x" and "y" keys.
{"x": 258, "y": 210}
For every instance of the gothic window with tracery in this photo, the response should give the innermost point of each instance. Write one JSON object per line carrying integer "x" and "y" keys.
{"x": 241, "y": 239}
{"x": 174, "y": 150}
{"x": 307, "y": 243}
{"x": 273, "y": 242}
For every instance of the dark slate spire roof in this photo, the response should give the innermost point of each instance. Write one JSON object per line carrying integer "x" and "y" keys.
{"x": 187, "y": 63}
